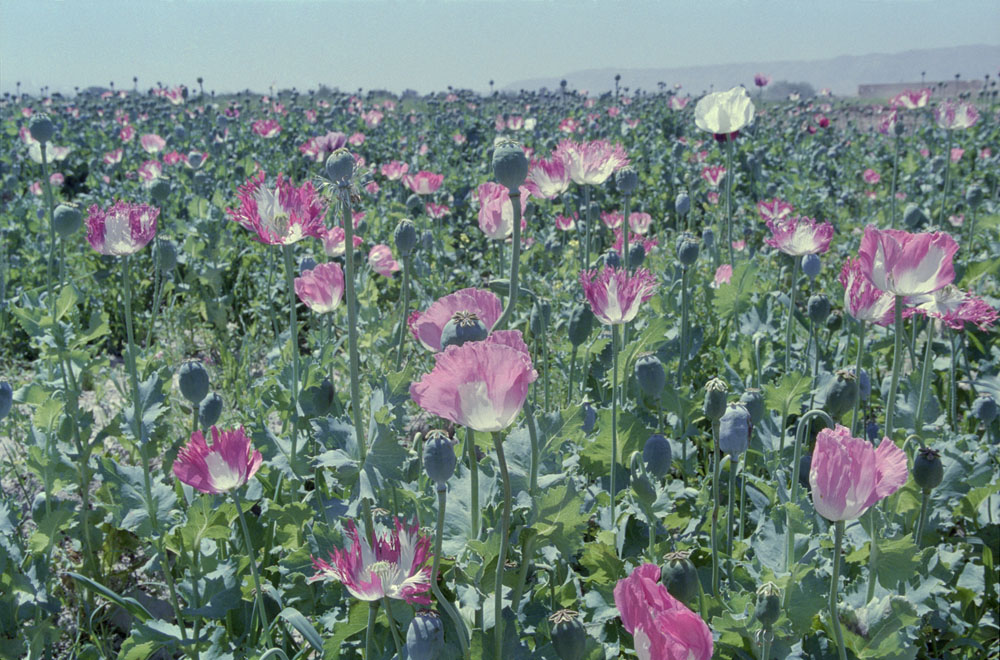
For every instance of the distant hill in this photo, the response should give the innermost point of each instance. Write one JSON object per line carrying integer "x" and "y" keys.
{"x": 841, "y": 74}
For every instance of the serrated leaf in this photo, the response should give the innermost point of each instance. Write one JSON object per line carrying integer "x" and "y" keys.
{"x": 560, "y": 519}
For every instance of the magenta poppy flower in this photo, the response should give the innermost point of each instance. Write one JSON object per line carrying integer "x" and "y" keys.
{"x": 113, "y": 157}
{"x": 723, "y": 275}
{"x": 481, "y": 385}
{"x": 381, "y": 260}
{"x": 714, "y": 175}
{"x": 888, "y": 124}
{"x": 612, "y": 220}
{"x": 863, "y": 300}
{"x": 662, "y": 627}
{"x": 799, "y": 236}
{"x": 591, "y": 162}
{"x": 848, "y": 475}
{"x": 907, "y": 264}
{"x": 640, "y": 222}
{"x": 423, "y": 182}
{"x": 426, "y": 327}
{"x": 333, "y": 241}
{"x": 496, "y": 211}
{"x": 437, "y": 211}
{"x": 122, "y": 229}
{"x": 393, "y": 568}
{"x": 321, "y": 288}
{"x": 648, "y": 244}
{"x": 152, "y": 143}
{"x": 953, "y": 307}
{"x": 319, "y": 148}
{"x": 266, "y": 128}
{"x": 911, "y": 100}
{"x": 566, "y": 222}
{"x": 279, "y": 215}
{"x": 775, "y": 209}
{"x": 615, "y": 294}
{"x": 679, "y": 102}
{"x": 871, "y": 177}
{"x": 762, "y": 80}
{"x": 127, "y": 134}
{"x": 548, "y": 178}
{"x": 150, "y": 170}
{"x": 394, "y": 170}
{"x": 227, "y": 464}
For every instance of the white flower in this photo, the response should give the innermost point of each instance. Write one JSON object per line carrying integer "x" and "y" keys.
{"x": 724, "y": 112}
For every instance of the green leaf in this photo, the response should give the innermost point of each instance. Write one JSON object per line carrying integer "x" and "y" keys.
{"x": 560, "y": 519}
{"x": 732, "y": 299}
{"x": 357, "y": 621}
{"x": 124, "y": 495}
{"x": 133, "y": 606}
{"x": 595, "y": 458}
{"x": 787, "y": 395}
{"x": 603, "y": 563}
{"x": 879, "y": 629}
{"x": 206, "y": 520}
{"x": 306, "y": 629}
{"x": 898, "y": 561}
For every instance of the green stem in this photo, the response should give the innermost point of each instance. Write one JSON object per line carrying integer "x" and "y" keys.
{"x": 892, "y": 189}
{"x": 372, "y": 614}
{"x": 572, "y": 374}
{"x": 947, "y": 182}
{"x": 402, "y": 317}
{"x": 925, "y": 370}
{"x": 766, "y": 649}
{"x": 529, "y": 414}
{"x": 684, "y": 324}
{"x": 515, "y": 257}
{"x": 970, "y": 237}
{"x": 502, "y": 557}
{"x": 293, "y": 340}
{"x": 794, "y": 488}
{"x": 729, "y": 517}
{"x": 872, "y": 555}
{"x": 743, "y": 493}
{"x": 392, "y": 627}
{"x": 49, "y": 203}
{"x": 838, "y": 541}
{"x": 253, "y": 571}
{"x": 952, "y": 389}
{"x": 442, "y": 601}
{"x": 897, "y": 366}
{"x": 729, "y": 196}
{"x": 522, "y": 574}
{"x": 715, "y": 508}
{"x": 791, "y": 315}
{"x": 614, "y": 427}
{"x": 922, "y": 520}
{"x": 857, "y": 375}
{"x": 625, "y": 237}
{"x": 470, "y": 448}
{"x": 585, "y": 253}
{"x": 157, "y": 289}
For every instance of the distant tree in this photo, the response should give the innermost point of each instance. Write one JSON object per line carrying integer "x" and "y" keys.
{"x": 780, "y": 90}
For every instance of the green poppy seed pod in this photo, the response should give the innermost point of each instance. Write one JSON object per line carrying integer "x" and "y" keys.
{"x": 6, "y": 399}
{"x": 41, "y": 128}
{"x": 974, "y": 197}
{"x": 541, "y": 314}
{"x": 581, "y": 323}
{"x": 627, "y": 179}
{"x": 864, "y": 383}
{"x": 753, "y": 400}
{"x": 811, "y": 265}
{"x": 984, "y": 408}
{"x": 818, "y": 308}
{"x": 898, "y": 127}
{"x": 734, "y": 430}
{"x": 427, "y": 240}
{"x": 464, "y": 326}
{"x": 405, "y": 237}
{"x": 160, "y": 190}
{"x": 927, "y": 469}
{"x": 340, "y": 166}
{"x": 914, "y": 217}
{"x": 307, "y": 263}
{"x": 193, "y": 380}
{"x": 510, "y": 165}
{"x": 687, "y": 250}
{"x": 209, "y": 410}
{"x": 439, "y": 457}
{"x": 569, "y": 639}
{"x": 612, "y": 259}
{"x": 642, "y": 487}
{"x": 657, "y": 455}
{"x": 66, "y": 220}
{"x": 708, "y": 237}
{"x": 768, "y": 607}
{"x": 167, "y": 254}
{"x": 636, "y": 255}
{"x": 842, "y": 394}
{"x": 425, "y": 636}
{"x": 682, "y": 204}
{"x": 414, "y": 204}
{"x": 651, "y": 375}
{"x": 195, "y": 159}
{"x": 679, "y": 576}
{"x": 715, "y": 399}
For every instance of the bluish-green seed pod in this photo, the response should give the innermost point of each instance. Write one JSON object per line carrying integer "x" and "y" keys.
{"x": 160, "y": 190}
{"x": 984, "y": 408}
{"x": 167, "y": 254}
{"x": 612, "y": 259}
{"x": 928, "y": 472}
{"x": 734, "y": 430}
{"x": 657, "y": 455}
{"x": 340, "y": 166}
{"x": 651, "y": 375}
{"x": 581, "y": 323}
{"x": 811, "y": 265}
{"x": 405, "y": 237}
{"x": 708, "y": 237}
{"x": 510, "y": 164}
{"x": 864, "y": 383}
{"x": 715, "y": 399}
{"x": 41, "y": 128}
{"x": 914, "y": 217}
{"x": 687, "y": 250}
{"x": 636, "y": 255}
{"x": 425, "y": 636}
{"x": 439, "y": 457}
{"x": 841, "y": 395}
{"x": 974, "y": 197}
{"x": 818, "y": 308}
{"x": 569, "y": 639}
{"x": 193, "y": 380}
{"x": 626, "y": 179}
{"x": 682, "y": 204}
{"x": 463, "y": 326}
{"x": 753, "y": 400}
{"x": 414, "y": 204}
{"x": 679, "y": 576}
{"x": 768, "y": 607}
{"x": 210, "y": 409}
{"x": 66, "y": 220}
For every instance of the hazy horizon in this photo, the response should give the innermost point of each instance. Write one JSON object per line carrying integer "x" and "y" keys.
{"x": 430, "y": 44}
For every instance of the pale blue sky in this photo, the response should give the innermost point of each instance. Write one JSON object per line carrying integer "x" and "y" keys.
{"x": 430, "y": 44}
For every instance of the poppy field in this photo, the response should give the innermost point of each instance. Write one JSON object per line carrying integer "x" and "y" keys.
{"x": 539, "y": 375}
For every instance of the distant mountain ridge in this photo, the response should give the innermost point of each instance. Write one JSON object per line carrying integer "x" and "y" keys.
{"x": 841, "y": 74}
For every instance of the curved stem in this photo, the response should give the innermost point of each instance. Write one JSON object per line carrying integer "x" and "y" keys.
{"x": 952, "y": 389}
{"x": 293, "y": 340}
{"x": 794, "y": 488}
{"x": 515, "y": 256}
{"x": 715, "y": 508}
{"x": 791, "y": 315}
{"x": 253, "y": 571}
{"x": 897, "y": 366}
{"x": 529, "y": 410}
{"x": 502, "y": 557}
{"x": 402, "y": 317}
{"x": 857, "y": 375}
{"x": 522, "y": 575}
{"x": 157, "y": 288}
{"x": 838, "y": 541}
{"x": 442, "y": 601}
{"x": 614, "y": 427}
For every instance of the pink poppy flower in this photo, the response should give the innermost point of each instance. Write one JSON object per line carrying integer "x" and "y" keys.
{"x": 956, "y": 116}
{"x": 956, "y": 154}
{"x": 863, "y": 300}
{"x": 426, "y": 327}
{"x": 357, "y": 139}
{"x": 152, "y": 143}
{"x": 615, "y": 295}
{"x": 648, "y": 244}
{"x": 310, "y": 116}
{"x": 57, "y": 179}
{"x": 822, "y": 121}
{"x": 739, "y": 245}
{"x": 612, "y": 220}
{"x": 639, "y": 222}
{"x": 953, "y": 307}
{"x": 678, "y": 102}
{"x": 848, "y": 475}
{"x": 956, "y": 220}
{"x": 985, "y": 153}
{"x": 548, "y": 178}
{"x": 372, "y": 118}
{"x": 280, "y": 214}
{"x": 591, "y": 162}
{"x": 799, "y": 236}
{"x": 122, "y": 229}
{"x": 481, "y": 385}
{"x": 228, "y": 464}
{"x": 762, "y": 80}
{"x": 714, "y": 175}
{"x": 911, "y": 100}
{"x": 319, "y": 148}
{"x": 662, "y": 627}
{"x": 496, "y": 211}
{"x": 437, "y": 211}
{"x": 393, "y": 567}
{"x": 614, "y": 111}
{"x": 266, "y": 128}
{"x": 127, "y": 134}
{"x": 566, "y": 222}
{"x": 871, "y": 177}
{"x": 888, "y": 124}
{"x": 713, "y": 197}
{"x": 173, "y": 157}
{"x": 723, "y": 275}
{"x": 569, "y": 125}
{"x": 394, "y": 170}
{"x": 321, "y": 288}
{"x": 35, "y": 188}
{"x": 333, "y": 241}
{"x": 150, "y": 171}
{"x": 459, "y": 138}
{"x": 423, "y": 182}
{"x": 381, "y": 261}
{"x": 776, "y": 209}
{"x": 907, "y": 264}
